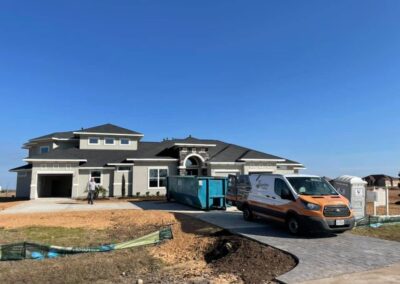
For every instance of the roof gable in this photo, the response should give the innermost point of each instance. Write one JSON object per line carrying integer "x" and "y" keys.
{"x": 108, "y": 129}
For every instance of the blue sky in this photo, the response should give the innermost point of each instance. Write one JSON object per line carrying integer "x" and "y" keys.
{"x": 313, "y": 81}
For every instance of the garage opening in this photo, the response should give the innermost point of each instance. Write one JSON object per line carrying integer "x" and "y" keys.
{"x": 55, "y": 185}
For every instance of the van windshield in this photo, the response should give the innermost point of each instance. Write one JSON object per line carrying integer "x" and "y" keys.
{"x": 311, "y": 186}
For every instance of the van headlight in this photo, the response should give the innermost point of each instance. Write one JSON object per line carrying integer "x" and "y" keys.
{"x": 312, "y": 206}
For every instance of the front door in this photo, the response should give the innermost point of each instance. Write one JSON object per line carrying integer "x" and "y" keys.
{"x": 192, "y": 172}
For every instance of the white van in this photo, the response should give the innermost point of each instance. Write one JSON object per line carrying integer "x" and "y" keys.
{"x": 302, "y": 202}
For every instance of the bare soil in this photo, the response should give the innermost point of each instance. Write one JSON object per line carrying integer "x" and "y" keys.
{"x": 7, "y": 201}
{"x": 199, "y": 252}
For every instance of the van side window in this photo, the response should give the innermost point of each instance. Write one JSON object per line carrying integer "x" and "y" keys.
{"x": 281, "y": 188}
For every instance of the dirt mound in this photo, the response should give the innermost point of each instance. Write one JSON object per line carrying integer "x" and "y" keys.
{"x": 253, "y": 262}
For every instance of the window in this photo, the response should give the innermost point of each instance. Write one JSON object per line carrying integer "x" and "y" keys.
{"x": 97, "y": 176}
{"x": 124, "y": 169}
{"x": 281, "y": 188}
{"x": 44, "y": 149}
{"x": 158, "y": 177}
{"x": 124, "y": 141}
{"x": 312, "y": 186}
{"x": 109, "y": 141}
{"x": 94, "y": 141}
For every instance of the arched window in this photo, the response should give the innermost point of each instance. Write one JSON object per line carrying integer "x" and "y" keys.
{"x": 191, "y": 162}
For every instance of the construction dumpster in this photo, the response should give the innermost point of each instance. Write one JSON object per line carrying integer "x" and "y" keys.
{"x": 200, "y": 192}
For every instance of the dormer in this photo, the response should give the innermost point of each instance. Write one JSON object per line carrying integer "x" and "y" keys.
{"x": 108, "y": 137}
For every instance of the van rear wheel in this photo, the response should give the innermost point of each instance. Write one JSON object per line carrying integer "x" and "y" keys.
{"x": 293, "y": 225}
{"x": 247, "y": 214}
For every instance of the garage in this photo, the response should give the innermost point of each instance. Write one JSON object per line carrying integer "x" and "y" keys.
{"x": 55, "y": 185}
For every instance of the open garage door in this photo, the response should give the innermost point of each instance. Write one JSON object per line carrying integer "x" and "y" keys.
{"x": 56, "y": 185}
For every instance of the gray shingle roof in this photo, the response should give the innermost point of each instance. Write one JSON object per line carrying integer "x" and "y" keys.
{"x": 24, "y": 167}
{"x": 60, "y": 135}
{"x": 105, "y": 128}
{"x": 109, "y": 128}
{"x": 222, "y": 152}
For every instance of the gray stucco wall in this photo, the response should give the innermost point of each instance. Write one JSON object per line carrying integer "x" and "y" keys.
{"x": 141, "y": 176}
{"x": 84, "y": 176}
{"x": 23, "y": 184}
{"x": 35, "y": 150}
{"x": 84, "y": 143}
{"x": 122, "y": 180}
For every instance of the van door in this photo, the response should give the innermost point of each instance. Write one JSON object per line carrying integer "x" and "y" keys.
{"x": 260, "y": 197}
{"x": 282, "y": 196}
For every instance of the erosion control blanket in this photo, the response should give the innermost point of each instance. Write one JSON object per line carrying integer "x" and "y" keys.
{"x": 26, "y": 250}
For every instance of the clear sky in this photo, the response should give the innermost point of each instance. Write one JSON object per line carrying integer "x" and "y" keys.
{"x": 314, "y": 81}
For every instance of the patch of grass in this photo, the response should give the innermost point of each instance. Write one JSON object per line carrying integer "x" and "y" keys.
{"x": 388, "y": 232}
{"x": 54, "y": 236}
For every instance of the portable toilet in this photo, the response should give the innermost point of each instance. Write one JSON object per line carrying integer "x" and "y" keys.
{"x": 200, "y": 192}
{"x": 353, "y": 188}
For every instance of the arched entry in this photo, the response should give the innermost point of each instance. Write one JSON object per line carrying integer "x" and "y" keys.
{"x": 193, "y": 165}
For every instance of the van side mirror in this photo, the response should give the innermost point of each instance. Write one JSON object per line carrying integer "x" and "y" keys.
{"x": 286, "y": 194}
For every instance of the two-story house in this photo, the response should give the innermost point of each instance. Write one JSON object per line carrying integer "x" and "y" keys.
{"x": 60, "y": 164}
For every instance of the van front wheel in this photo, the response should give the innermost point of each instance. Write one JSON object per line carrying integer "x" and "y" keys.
{"x": 293, "y": 225}
{"x": 247, "y": 214}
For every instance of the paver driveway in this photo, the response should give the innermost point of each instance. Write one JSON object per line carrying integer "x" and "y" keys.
{"x": 319, "y": 257}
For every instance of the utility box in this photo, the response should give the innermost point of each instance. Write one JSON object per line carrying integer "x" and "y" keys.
{"x": 353, "y": 188}
{"x": 378, "y": 196}
{"x": 199, "y": 192}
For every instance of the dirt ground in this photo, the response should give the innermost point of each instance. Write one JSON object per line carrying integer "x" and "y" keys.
{"x": 199, "y": 252}
{"x": 7, "y": 200}
{"x": 394, "y": 204}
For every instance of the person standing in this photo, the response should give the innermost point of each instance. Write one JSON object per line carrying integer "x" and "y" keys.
{"x": 91, "y": 190}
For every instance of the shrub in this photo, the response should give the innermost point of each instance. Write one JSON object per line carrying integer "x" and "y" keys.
{"x": 147, "y": 193}
{"x": 100, "y": 190}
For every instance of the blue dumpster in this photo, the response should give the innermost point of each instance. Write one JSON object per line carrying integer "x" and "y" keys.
{"x": 199, "y": 192}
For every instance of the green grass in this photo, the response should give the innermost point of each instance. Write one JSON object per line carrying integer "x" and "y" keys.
{"x": 388, "y": 232}
{"x": 55, "y": 236}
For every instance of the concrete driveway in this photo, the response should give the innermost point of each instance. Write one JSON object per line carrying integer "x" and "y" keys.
{"x": 318, "y": 257}
{"x": 44, "y": 205}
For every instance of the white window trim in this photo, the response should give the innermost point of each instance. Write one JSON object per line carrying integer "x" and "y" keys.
{"x": 120, "y": 141}
{"x": 101, "y": 176}
{"x": 158, "y": 177}
{"x": 98, "y": 141}
{"x": 108, "y": 144}
{"x": 43, "y": 147}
